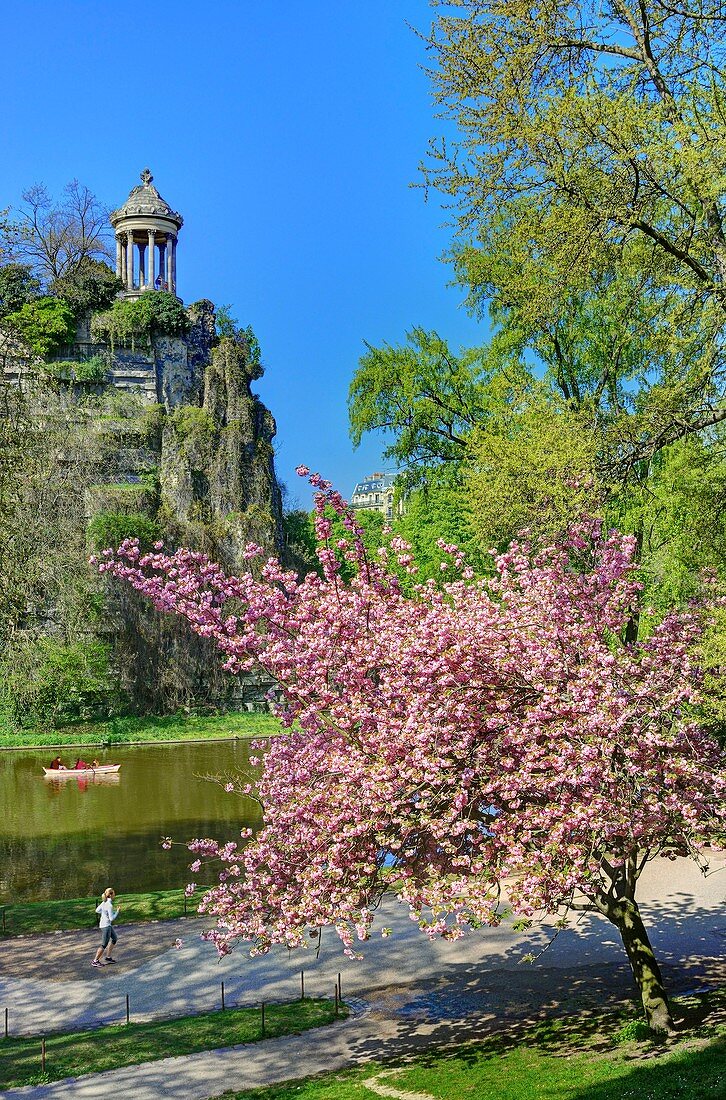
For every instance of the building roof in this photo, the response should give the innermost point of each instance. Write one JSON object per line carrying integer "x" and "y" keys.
{"x": 146, "y": 201}
{"x": 375, "y": 483}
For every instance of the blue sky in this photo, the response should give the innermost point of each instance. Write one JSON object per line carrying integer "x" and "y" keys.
{"x": 287, "y": 135}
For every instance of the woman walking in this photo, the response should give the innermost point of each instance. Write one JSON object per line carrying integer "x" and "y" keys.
{"x": 109, "y": 938}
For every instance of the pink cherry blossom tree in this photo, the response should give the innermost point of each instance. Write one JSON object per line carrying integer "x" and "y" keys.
{"x": 483, "y": 746}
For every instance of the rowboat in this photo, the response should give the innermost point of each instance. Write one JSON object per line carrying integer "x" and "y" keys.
{"x": 67, "y": 773}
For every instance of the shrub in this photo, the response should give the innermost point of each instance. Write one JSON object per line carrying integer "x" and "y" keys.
{"x": 18, "y": 286}
{"x": 132, "y": 320}
{"x": 111, "y": 528}
{"x": 46, "y": 324}
{"x": 50, "y": 681}
{"x": 58, "y": 371}
{"x": 92, "y": 285}
{"x": 92, "y": 371}
{"x": 152, "y": 424}
{"x": 89, "y": 371}
{"x": 192, "y": 423}
{"x": 168, "y": 316}
{"x": 634, "y": 1031}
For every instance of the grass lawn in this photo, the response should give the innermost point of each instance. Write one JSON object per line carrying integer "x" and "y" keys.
{"x": 120, "y": 731}
{"x": 566, "y": 1059}
{"x": 56, "y": 916}
{"x": 74, "y": 1053}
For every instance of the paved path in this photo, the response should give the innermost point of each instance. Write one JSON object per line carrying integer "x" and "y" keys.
{"x": 408, "y": 993}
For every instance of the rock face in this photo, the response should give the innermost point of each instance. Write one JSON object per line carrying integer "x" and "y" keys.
{"x": 184, "y": 453}
{"x": 217, "y": 464}
{"x": 216, "y": 492}
{"x": 192, "y": 418}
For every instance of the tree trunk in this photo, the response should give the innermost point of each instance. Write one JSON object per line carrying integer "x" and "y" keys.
{"x": 626, "y": 917}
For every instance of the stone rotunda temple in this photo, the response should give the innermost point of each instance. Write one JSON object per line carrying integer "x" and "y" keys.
{"x": 146, "y": 230}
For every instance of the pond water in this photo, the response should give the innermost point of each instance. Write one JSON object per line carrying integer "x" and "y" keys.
{"x": 72, "y": 837}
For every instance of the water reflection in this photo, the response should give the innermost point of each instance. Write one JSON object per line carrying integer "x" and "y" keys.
{"x": 57, "y": 782}
{"x": 70, "y": 838}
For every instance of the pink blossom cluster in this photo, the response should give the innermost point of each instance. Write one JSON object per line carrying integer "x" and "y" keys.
{"x": 445, "y": 741}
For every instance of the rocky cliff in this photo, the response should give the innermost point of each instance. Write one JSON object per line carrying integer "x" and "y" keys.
{"x": 181, "y": 450}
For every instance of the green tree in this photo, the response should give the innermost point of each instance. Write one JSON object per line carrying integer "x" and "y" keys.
{"x": 533, "y": 465}
{"x": 112, "y": 528}
{"x": 588, "y": 167}
{"x": 91, "y": 285}
{"x": 678, "y": 504}
{"x": 438, "y": 510}
{"x": 423, "y": 396}
{"x": 46, "y": 324}
{"x": 18, "y": 286}
{"x": 50, "y": 457}
{"x": 539, "y": 451}
{"x": 300, "y": 543}
{"x": 225, "y": 324}
{"x": 49, "y": 681}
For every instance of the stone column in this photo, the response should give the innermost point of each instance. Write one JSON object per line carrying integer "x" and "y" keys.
{"x": 169, "y": 253}
{"x": 129, "y": 260}
{"x": 173, "y": 266}
{"x": 152, "y": 257}
{"x": 119, "y": 259}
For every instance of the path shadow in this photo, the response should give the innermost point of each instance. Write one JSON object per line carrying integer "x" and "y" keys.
{"x": 562, "y": 1010}
{"x": 66, "y": 956}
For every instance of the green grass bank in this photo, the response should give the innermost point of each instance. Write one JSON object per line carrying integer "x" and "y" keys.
{"x": 27, "y": 918}
{"x": 73, "y": 1053}
{"x": 143, "y": 730}
{"x": 576, "y": 1058}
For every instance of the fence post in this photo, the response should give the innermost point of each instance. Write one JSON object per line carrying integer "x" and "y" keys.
{"x": 302, "y": 985}
{"x": 340, "y": 989}
{"x": 128, "y": 1011}
{"x": 336, "y": 1002}
{"x": 6, "y": 1023}
{"x": 262, "y": 1033}
{"x": 42, "y": 1054}
{"x": 222, "y": 996}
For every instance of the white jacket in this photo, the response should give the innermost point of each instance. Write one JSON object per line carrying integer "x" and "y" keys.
{"x": 108, "y": 913}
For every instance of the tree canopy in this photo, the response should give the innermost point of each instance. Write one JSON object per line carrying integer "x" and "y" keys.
{"x": 586, "y": 186}
{"x": 18, "y": 286}
{"x": 422, "y": 394}
{"x": 90, "y": 285}
{"x": 155, "y": 312}
{"x": 46, "y": 324}
{"x": 598, "y": 125}
{"x": 450, "y": 739}
{"x": 56, "y": 236}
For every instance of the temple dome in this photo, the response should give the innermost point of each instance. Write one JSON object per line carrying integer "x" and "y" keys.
{"x": 146, "y": 230}
{"x": 145, "y": 201}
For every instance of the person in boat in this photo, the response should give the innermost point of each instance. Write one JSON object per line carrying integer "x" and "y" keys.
{"x": 80, "y": 765}
{"x": 95, "y": 763}
{"x": 57, "y": 765}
